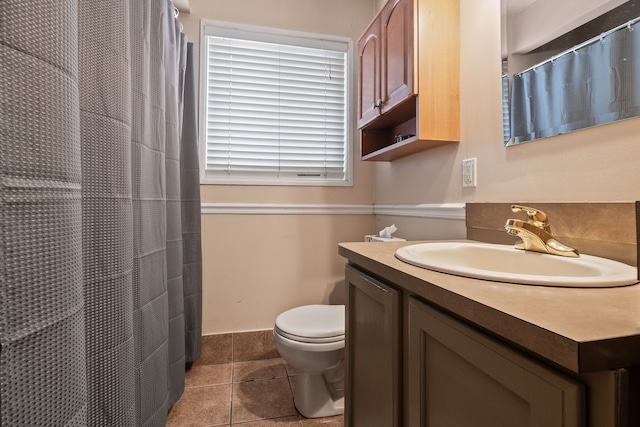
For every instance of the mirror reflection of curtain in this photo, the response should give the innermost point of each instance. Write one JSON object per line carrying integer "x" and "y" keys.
{"x": 595, "y": 84}
{"x": 506, "y": 112}
{"x": 93, "y": 287}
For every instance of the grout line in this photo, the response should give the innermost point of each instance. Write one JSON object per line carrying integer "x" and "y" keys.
{"x": 205, "y": 385}
{"x": 231, "y": 393}
{"x": 233, "y": 345}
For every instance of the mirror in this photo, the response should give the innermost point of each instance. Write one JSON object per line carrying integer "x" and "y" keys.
{"x": 566, "y": 65}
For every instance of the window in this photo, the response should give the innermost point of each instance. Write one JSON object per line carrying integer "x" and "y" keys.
{"x": 274, "y": 107}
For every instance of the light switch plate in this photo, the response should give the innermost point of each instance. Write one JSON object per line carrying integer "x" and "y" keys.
{"x": 469, "y": 173}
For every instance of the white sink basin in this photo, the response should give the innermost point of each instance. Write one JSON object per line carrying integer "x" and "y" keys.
{"x": 504, "y": 263}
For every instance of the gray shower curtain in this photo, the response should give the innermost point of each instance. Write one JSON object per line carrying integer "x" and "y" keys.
{"x": 99, "y": 207}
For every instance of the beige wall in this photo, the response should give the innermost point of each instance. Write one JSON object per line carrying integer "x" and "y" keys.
{"x": 597, "y": 164}
{"x": 256, "y": 266}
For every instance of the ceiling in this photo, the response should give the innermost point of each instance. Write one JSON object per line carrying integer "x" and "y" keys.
{"x": 182, "y": 5}
{"x": 514, "y": 7}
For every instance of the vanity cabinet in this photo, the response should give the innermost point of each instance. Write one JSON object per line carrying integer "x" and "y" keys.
{"x": 408, "y": 84}
{"x": 372, "y": 352}
{"x": 425, "y": 349}
{"x": 461, "y": 377}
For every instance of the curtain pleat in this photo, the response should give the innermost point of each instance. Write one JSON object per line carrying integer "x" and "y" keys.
{"x": 189, "y": 180}
{"x": 148, "y": 150}
{"x": 42, "y": 321}
{"x": 173, "y": 83}
{"x": 107, "y": 227}
{"x": 95, "y": 317}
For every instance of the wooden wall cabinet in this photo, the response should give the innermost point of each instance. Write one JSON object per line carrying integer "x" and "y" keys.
{"x": 386, "y": 54}
{"x": 369, "y": 51}
{"x": 408, "y": 84}
{"x": 397, "y": 59}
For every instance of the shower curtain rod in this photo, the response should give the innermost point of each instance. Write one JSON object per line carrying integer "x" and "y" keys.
{"x": 583, "y": 44}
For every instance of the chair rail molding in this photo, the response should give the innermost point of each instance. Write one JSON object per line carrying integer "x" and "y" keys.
{"x": 438, "y": 211}
{"x": 452, "y": 211}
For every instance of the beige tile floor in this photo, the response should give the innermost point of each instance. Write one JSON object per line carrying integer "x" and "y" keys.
{"x": 253, "y": 393}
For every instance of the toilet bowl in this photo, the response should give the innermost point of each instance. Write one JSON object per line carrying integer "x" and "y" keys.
{"x": 310, "y": 338}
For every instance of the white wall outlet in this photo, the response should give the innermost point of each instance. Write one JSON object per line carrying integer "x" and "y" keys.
{"x": 469, "y": 173}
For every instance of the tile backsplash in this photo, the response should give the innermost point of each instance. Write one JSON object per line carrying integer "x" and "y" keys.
{"x": 605, "y": 229}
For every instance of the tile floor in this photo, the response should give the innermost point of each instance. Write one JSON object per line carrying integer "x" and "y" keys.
{"x": 224, "y": 389}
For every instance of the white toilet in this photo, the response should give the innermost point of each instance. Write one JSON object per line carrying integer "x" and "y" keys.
{"x": 311, "y": 339}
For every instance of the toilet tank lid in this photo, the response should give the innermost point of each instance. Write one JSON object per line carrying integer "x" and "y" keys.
{"x": 313, "y": 321}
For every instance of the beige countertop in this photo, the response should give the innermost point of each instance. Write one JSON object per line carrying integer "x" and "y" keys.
{"x": 581, "y": 329}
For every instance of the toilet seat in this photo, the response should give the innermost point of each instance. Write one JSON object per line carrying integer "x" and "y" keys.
{"x": 304, "y": 346}
{"x": 309, "y": 340}
{"x": 312, "y": 324}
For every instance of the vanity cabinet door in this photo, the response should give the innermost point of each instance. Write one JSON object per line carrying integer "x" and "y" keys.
{"x": 459, "y": 376}
{"x": 372, "y": 352}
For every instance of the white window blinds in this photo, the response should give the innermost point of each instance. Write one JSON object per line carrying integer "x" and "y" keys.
{"x": 275, "y": 111}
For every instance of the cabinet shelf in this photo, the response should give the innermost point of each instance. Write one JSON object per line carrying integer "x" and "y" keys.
{"x": 401, "y": 149}
{"x": 379, "y": 138}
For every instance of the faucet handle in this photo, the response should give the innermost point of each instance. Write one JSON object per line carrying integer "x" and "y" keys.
{"x": 534, "y": 216}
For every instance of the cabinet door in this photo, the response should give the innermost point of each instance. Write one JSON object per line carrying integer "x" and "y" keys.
{"x": 397, "y": 52}
{"x": 372, "y": 353}
{"x": 459, "y": 376}
{"x": 369, "y": 51}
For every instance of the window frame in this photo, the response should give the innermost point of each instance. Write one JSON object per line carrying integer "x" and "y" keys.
{"x": 274, "y": 35}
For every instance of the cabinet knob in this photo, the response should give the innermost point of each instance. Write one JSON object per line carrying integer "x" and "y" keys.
{"x": 376, "y": 104}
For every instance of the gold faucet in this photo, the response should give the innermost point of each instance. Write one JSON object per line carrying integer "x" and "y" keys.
{"x": 536, "y": 234}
